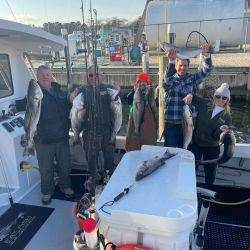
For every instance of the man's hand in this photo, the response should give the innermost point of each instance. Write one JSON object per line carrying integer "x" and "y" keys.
{"x": 171, "y": 55}
{"x": 188, "y": 99}
{"x": 205, "y": 49}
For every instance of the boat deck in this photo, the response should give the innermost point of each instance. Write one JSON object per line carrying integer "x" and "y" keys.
{"x": 58, "y": 230}
{"x": 227, "y": 227}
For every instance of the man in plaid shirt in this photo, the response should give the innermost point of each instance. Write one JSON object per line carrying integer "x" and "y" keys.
{"x": 179, "y": 86}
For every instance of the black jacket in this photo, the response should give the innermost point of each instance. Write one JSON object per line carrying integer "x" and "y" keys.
{"x": 54, "y": 123}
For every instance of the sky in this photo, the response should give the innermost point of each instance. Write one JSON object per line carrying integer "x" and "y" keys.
{"x": 38, "y": 12}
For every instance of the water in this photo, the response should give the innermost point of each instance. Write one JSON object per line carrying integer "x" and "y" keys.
{"x": 240, "y": 117}
{"x": 241, "y": 121}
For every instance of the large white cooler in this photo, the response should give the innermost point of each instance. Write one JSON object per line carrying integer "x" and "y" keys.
{"x": 159, "y": 211}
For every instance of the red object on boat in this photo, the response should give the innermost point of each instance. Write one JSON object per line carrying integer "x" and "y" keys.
{"x": 89, "y": 225}
{"x": 132, "y": 247}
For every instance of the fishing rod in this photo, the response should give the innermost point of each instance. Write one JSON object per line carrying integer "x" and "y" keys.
{"x": 100, "y": 131}
{"x": 84, "y": 42}
{"x": 94, "y": 141}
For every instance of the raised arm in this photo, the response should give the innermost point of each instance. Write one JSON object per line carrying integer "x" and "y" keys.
{"x": 207, "y": 65}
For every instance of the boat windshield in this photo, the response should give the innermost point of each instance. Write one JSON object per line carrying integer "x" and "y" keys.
{"x": 6, "y": 84}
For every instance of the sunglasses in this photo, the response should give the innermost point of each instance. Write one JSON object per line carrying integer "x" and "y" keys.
{"x": 224, "y": 98}
{"x": 91, "y": 75}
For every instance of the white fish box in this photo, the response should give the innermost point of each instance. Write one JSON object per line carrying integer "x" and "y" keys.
{"x": 160, "y": 210}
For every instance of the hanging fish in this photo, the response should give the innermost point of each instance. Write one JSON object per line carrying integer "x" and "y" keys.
{"x": 138, "y": 110}
{"x": 31, "y": 118}
{"x": 187, "y": 126}
{"x": 228, "y": 139}
{"x": 77, "y": 116}
{"x": 116, "y": 108}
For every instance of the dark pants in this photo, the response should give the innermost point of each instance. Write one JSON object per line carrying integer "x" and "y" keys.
{"x": 206, "y": 153}
{"x": 46, "y": 153}
{"x": 173, "y": 135}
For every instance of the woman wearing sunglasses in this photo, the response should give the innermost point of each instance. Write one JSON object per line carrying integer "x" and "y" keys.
{"x": 213, "y": 118}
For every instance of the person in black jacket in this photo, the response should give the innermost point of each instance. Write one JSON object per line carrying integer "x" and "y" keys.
{"x": 213, "y": 118}
{"x": 52, "y": 136}
{"x": 98, "y": 126}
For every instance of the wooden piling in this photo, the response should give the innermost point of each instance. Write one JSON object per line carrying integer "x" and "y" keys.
{"x": 145, "y": 62}
{"x": 162, "y": 68}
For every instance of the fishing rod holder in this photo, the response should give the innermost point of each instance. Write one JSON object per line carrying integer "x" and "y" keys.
{"x": 197, "y": 241}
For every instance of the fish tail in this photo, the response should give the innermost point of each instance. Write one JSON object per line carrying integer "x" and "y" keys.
{"x": 28, "y": 151}
{"x": 207, "y": 162}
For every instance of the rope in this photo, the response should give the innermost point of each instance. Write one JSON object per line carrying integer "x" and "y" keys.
{"x": 227, "y": 203}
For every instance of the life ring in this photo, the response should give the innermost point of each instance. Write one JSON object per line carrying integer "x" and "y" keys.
{"x": 132, "y": 247}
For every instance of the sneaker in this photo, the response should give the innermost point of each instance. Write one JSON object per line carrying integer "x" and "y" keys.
{"x": 68, "y": 192}
{"x": 46, "y": 199}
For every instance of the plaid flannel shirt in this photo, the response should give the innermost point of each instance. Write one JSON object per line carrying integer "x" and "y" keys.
{"x": 176, "y": 87}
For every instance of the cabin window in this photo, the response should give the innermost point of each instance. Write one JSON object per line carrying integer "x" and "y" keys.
{"x": 248, "y": 5}
{"x": 6, "y": 85}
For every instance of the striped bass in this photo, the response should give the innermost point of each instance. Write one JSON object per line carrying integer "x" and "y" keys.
{"x": 116, "y": 109}
{"x": 31, "y": 118}
{"x": 228, "y": 139}
{"x": 187, "y": 126}
{"x": 149, "y": 166}
{"x": 77, "y": 116}
{"x": 182, "y": 53}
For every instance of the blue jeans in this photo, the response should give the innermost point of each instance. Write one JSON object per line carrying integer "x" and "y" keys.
{"x": 173, "y": 135}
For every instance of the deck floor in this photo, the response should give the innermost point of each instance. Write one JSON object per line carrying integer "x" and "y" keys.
{"x": 226, "y": 228}
{"x": 58, "y": 230}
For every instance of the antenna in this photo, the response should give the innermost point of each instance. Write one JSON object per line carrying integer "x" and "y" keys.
{"x": 11, "y": 10}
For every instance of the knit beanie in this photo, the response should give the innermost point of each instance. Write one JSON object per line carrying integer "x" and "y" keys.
{"x": 143, "y": 76}
{"x": 223, "y": 90}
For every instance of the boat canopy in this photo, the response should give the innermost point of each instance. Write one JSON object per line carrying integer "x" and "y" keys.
{"x": 29, "y": 39}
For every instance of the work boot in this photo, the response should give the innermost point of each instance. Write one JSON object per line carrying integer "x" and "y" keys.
{"x": 68, "y": 192}
{"x": 46, "y": 199}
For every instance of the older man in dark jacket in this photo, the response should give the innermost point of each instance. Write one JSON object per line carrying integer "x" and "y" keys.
{"x": 52, "y": 137}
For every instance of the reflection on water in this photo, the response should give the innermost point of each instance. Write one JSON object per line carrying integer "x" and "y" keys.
{"x": 240, "y": 115}
{"x": 241, "y": 121}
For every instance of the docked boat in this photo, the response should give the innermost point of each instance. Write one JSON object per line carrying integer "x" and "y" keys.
{"x": 158, "y": 212}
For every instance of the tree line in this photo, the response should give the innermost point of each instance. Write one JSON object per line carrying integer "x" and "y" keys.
{"x": 55, "y": 27}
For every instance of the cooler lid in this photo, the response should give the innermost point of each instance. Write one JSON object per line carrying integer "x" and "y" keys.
{"x": 165, "y": 199}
